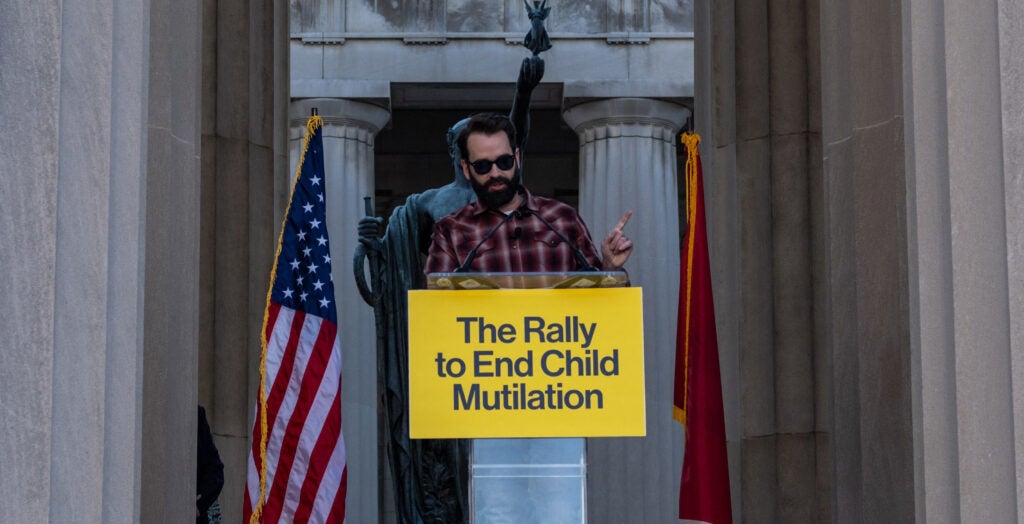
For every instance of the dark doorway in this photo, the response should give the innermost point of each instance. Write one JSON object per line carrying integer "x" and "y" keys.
{"x": 411, "y": 154}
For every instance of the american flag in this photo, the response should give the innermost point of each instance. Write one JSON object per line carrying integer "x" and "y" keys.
{"x": 297, "y": 470}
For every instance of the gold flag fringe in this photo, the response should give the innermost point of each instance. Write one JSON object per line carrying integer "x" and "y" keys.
{"x": 690, "y": 142}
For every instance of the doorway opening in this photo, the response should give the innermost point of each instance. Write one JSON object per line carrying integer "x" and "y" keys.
{"x": 411, "y": 154}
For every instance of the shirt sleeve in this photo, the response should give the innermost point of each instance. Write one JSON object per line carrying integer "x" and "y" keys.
{"x": 441, "y": 256}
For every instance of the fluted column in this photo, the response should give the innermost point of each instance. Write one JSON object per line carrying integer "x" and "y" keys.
{"x": 349, "y": 131}
{"x": 99, "y": 227}
{"x": 628, "y": 161}
{"x": 964, "y": 129}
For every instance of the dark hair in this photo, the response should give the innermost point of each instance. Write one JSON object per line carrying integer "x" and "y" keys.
{"x": 488, "y": 124}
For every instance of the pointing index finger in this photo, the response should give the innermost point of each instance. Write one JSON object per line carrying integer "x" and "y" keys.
{"x": 623, "y": 220}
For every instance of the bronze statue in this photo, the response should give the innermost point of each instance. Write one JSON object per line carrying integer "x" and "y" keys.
{"x": 537, "y": 39}
{"x": 430, "y": 476}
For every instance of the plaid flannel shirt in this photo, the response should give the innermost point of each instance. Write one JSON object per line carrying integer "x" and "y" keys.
{"x": 522, "y": 244}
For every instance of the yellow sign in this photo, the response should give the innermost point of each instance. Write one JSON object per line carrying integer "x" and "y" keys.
{"x": 526, "y": 363}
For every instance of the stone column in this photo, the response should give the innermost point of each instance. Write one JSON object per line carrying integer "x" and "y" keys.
{"x": 244, "y": 96}
{"x": 99, "y": 228}
{"x": 963, "y": 104}
{"x": 349, "y": 131}
{"x": 628, "y": 161}
{"x": 757, "y": 91}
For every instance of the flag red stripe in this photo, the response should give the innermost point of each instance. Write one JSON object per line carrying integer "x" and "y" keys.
{"x": 250, "y": 495}
{"x": 337, "y": 515}
{"x": 252, "y": 482}
{"x": 280, "y": 384}
{"x": 318, "y": 460}
{"x": 272, "y": 313}
{"x": 319, "y": 429}
{"x": 273, "y": 309}
{"x": 284, "y": 410}
{"x": 314, "y": 373}
{"x": 276, "y": 391}
{"x": 330, "y": 484}
{"x": 247, "y": 506}
{"x": 284, "y": 373}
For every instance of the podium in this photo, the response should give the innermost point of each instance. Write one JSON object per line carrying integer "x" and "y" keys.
{"x": 537, "y": 480}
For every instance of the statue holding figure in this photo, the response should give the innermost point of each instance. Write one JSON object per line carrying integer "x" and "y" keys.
{"x": 430, "y": 476}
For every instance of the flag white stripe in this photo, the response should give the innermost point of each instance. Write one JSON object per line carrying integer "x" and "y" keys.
{"x": 314, "y": 424}
{"x": 276, "y": 342}
{"x": 307, "y": 338}
{"x": 253, "y": 482}
{"x": 330, "y": 484}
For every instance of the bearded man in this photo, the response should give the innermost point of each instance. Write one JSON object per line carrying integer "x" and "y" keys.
{"x": 508, "y": 229}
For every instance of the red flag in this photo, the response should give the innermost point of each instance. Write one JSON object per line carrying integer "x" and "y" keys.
{"x": 704, "y": 489}
{"x": 297, "y": 470}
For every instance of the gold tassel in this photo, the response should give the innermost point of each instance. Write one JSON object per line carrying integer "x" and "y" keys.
{"x": 690, "y": 141}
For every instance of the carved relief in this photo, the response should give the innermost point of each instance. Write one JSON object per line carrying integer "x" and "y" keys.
{"x": 596, "y": 17}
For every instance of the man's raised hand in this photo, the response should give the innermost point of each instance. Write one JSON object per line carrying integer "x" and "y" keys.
{"x": 616, "y": 246}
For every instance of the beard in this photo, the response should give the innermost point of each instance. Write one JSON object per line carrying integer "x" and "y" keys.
{"x": 496, "y": 199}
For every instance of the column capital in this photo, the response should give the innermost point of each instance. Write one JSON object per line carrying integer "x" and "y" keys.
{"x": 342, "y": 112}
{"x": 667, "y": 116}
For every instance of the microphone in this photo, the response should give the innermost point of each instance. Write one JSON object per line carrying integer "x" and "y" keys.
{"x": 464, "y": 267}
{"x": 515, "y": 234}
{"x": 580, "y": 258}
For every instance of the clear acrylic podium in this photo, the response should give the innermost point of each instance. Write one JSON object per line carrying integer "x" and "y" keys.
{"x": 535, "y": 480}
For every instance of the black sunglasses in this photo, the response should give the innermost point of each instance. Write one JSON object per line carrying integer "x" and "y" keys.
{"x": 504, "y": 163}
